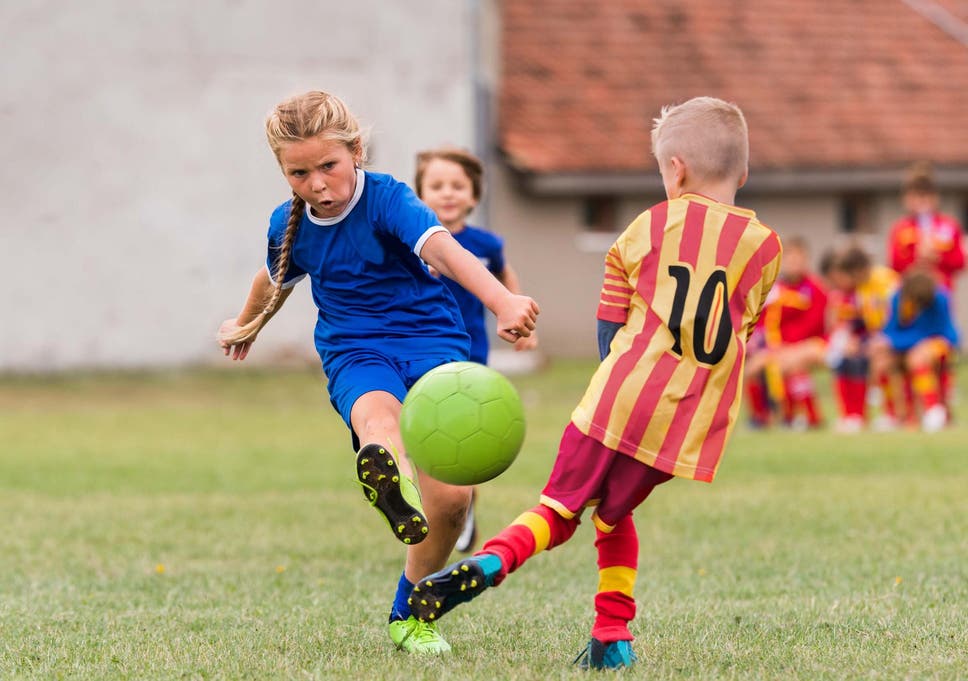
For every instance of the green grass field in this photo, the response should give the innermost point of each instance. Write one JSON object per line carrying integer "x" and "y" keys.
{"x": 207, "y": 526}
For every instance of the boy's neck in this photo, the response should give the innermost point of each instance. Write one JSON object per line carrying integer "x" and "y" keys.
{"x": 723, "y": 192}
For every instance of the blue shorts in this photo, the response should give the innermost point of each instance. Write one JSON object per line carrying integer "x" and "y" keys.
{"x": 353, "y": 374}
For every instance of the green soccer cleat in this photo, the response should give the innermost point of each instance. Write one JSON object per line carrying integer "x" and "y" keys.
{"x": 421, "y": 638}
{"x": 437, "y": 594}
{"x": 392, "y": 493}
{"x": 598, "y": 655}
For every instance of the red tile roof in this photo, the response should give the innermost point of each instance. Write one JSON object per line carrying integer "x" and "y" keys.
{"x": 823, "y": 83}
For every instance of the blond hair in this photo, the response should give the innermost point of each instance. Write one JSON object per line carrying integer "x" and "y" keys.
{"x": 709, "y": 135}
{"x": 312, "y": 114}
{"x": 470, "y": 164}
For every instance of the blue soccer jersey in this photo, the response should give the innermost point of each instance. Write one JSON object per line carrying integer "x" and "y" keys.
{"x": 905, "y": 331}
{"x": 489, "y": 249}
{"x": 371, "y": 288}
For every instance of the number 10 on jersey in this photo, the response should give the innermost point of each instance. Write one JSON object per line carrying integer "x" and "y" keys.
{"x": 713, "y": 303}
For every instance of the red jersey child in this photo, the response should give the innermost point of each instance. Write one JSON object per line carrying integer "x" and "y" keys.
{"x": 683, "y": 287}
{"x": 925, "y": 237}
{"x": 793, "y": 328}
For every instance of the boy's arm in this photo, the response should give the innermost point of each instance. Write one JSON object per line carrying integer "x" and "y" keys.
{"x": 259, "y": 294}
{"x": 515, "y": 313}
{"x": 606, "y": 334}
{"x": 770, "y": 273}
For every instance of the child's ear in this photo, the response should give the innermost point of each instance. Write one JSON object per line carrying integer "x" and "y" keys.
{"x": 678, "y": 172}
{"x": 742, "y": 180}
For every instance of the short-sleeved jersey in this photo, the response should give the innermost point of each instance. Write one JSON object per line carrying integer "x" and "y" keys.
{"x": 795, "y": 311}
{"x": 687, "y": 280}
{"x": 941, "y": 232}
{"x": 865, "y": 309}
{"x": 489, "y": 249}
{"x": 905, "y": 329}
{"x": 372, "y": 290}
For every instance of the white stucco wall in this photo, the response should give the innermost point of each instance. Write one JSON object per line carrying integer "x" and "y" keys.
{"x": 136, "y": 182}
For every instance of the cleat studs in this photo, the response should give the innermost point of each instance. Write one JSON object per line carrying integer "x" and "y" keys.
{"x": 365, "y": 475}
{"x": 381, "y": 478}
{"x": 395, "y": 478}
{"x": 389, "y": 462}
{"x": 463, "y": 568}
{"x": 454, "y": 573}
{"x": 407, "y": 540}
{"x": 423, "y": 602}
{"x": 432, "y": 615}
{"x": 463, "y": 587}
{"x": 410, "y": 601}
{"x": 415, "y": 519}
{"x": 428, "y": 583}
{"x": 400, "y": 529}
{"x": 424, "y": 529}
{"x": 363, "y": 462}
{"x": 473, "y": 583}
{"x": 437, "y": 604}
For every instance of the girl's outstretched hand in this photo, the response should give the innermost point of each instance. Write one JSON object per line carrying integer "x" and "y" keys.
{"x": 237, "y": 351}
{"x": 516, "y": 317}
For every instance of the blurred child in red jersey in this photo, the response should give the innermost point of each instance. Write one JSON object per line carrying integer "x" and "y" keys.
{"x": 926, "y": 238}
{"x": 859, "y": 302}
{"x": 684, "y": 285}
{"x": 792, "y": 328}
{"x": 919, "y": 336}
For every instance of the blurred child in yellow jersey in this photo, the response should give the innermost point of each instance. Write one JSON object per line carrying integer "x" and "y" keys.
{"x": 860, "y": 303}
{"x": 683, "y": 287}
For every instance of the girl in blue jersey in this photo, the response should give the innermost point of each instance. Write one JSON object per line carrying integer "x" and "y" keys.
{"x": 449, "y": 180}
{"x": 383, "y": 319}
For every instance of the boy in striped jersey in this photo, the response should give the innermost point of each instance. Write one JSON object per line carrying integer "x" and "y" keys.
{"x": 683, "y": 287}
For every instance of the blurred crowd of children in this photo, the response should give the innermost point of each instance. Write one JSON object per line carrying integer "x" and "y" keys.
{"x": 887, "y": 332}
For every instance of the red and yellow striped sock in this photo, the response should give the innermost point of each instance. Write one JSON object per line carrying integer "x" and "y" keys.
{"x": 618, "y": 556}
{"x": 924, "y": 381}
{"x": 532, "y": 532}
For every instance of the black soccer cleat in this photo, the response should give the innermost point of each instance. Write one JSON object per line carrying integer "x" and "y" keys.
{"x": 392, "y": 493}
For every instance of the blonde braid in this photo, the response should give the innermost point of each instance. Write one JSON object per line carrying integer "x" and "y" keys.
{"x": 248, "y": 332}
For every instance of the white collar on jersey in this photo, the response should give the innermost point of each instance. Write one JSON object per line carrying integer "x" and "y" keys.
{"x": 325, "y": 222}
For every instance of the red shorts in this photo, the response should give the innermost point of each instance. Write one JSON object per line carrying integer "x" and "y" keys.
{"x": 587, "y": 473}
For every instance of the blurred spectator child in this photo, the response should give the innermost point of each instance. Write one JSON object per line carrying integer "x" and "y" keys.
{"x": 859, "y": 304}
{"x": 926, "y": 238}
{"x": 792, "y": 328}
{"x": 919, "y": 336}
{"x": 450, "y": 181}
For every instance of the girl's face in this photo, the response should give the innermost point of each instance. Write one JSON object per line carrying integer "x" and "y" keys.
{"x": 448, "y": 191}
{"x": 322, "y": 172}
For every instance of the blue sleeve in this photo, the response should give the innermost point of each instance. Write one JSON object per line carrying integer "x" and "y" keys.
{"x": 406, "y": 217}
{"x": 497, "y": 255}
{"x": 277, "y": 229}
{"x": 950, "y": 331}
{"x": 893, "y": 326}
{"x": 606, "y": 333}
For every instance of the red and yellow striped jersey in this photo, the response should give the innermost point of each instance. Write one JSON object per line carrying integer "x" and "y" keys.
{"x": 687, "y": 279}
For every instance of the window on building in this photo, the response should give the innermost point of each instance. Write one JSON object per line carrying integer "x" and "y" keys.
{"x": 856, "y": 214}
{"x": 601, "y": 214}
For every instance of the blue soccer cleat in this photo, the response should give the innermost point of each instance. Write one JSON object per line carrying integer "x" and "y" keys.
{"x": 598, "y": 655}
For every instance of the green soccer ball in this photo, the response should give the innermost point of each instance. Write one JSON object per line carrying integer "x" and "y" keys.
{"x": 462, "y": 423}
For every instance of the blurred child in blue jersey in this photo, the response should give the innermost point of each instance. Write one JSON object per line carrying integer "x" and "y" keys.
{"x": 918, "y": 339}
{"x": 450, "y": 181}
{"x": 383, "y": 321}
